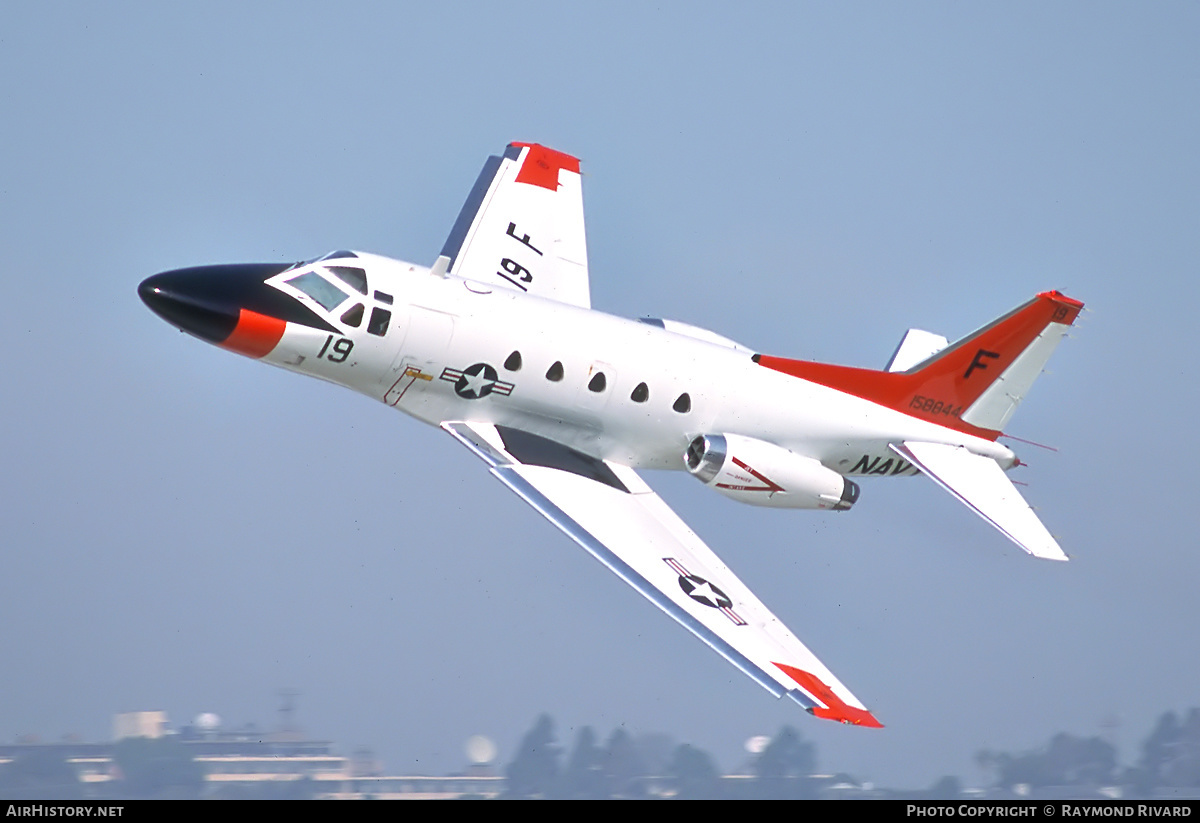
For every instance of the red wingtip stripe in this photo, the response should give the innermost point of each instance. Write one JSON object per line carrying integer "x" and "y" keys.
{"x": 255, "y": 335}
{"x": 849, "y": 715}
{"x": 836, "y": 708}
{"x": 542, "y": 165}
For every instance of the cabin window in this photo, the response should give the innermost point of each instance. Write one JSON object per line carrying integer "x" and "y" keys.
{"x": 353, "y": 277}
{"x": 379, "y": 321}
{"x": 513, "y": 363}
{"x": 354, "y": 316}
{"x": 598, "y": 382}
{"x": 641, "y": 393}
{"x": 555, "y": 372}
{"x": 683, "y": 403}
{"x": 383, "y": 297}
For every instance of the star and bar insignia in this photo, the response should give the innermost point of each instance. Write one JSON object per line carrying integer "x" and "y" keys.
{"x": 703, "y": 592}
{"x": 476, "y": 381}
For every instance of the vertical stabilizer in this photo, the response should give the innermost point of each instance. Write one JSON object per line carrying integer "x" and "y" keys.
{"x": 974, "y": 385}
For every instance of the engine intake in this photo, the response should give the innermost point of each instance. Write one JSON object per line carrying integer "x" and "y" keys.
{"x": 763, "y": 474}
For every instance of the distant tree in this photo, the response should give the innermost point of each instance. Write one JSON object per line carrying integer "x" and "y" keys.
{"x": 1185, "y": 766}
{"x": 1067, "y": 761}
{"x": 656, "y": 750}
{"x": 1157, "y": 751}
{"x": 583, "y": 778}
{"x": 989, "y": 761}
{"x": 160, "y": 768}
{"x": 534, "y": 771}
{"x": 694, "y": 774}
{"x": 1171, "y": 754}
{"x": 784, "y": 767}
{"x": 946, "y": 788}
{"x": 1081, "y": 761}
{"x": 623, "y": 766}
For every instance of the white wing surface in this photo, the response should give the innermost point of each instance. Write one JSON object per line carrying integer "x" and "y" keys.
{"x": 522, "y": 227}
{"x": 607, "y": 509}
{"x": 981, "y": 484}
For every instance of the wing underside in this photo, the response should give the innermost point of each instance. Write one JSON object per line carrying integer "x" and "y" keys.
{"x": 607, "y": 509}
{"x": 522, "y": 227}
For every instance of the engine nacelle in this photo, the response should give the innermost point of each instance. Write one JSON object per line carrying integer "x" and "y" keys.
{"x": 763, "y": 474}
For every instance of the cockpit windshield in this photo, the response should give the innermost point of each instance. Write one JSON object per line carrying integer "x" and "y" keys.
{"x": 352, "y": 276}
{"x": 319, "y": 289}
{"x": 331, "y": 286}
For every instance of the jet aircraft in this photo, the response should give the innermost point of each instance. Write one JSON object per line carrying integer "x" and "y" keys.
{"x": 497, "y": 344}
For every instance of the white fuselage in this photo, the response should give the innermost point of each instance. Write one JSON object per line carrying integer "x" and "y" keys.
{"x": 442, "y": 326}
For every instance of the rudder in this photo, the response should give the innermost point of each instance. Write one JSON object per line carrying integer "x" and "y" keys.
{"x": 989, "y": 372}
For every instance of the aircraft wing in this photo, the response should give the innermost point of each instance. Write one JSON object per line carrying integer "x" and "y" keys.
{"x": 522, "y": 227}
{"x": 611, "y": 512}
{"x": 981, "y": 484}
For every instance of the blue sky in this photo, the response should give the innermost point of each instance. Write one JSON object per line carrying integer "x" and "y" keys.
{"x": 191, "y": 531}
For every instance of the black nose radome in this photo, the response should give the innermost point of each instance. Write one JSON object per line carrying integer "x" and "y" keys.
{"x": 224, "y": 304}
{"x": 207, "y": 301}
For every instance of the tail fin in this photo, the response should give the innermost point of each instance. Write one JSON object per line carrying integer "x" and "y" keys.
{"x": 973, "y": 385}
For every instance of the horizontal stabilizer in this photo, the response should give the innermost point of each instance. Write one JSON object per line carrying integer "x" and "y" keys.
{"x": 982, "y": 485}
{"x": 915, "y": 347}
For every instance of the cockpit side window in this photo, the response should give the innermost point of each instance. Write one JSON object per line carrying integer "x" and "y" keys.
{"x": 353, "y": 316}
{"x": 379, "y": 321}
{"x": 319, "y": 289}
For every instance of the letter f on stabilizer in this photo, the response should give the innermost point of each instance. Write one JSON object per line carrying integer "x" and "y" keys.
{"x": 989, "y": 373}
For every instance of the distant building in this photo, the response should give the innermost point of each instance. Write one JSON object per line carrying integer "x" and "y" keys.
{"x": 139, "y": 724}
{"x": 246, "y": 763}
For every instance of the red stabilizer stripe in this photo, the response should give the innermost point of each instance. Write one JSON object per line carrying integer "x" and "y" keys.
{"x": 949, "y": 379}
{"x": 895, "y": 390}
{"x": 542, "y": 164}
{"x": 838, "y": 710}
{"x": 255, "y": 335}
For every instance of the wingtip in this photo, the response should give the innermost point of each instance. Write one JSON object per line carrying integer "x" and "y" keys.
{"x": 1051, "y": 552}
{"x": 835, "y": 707}
{"x": 848, "y": 715}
